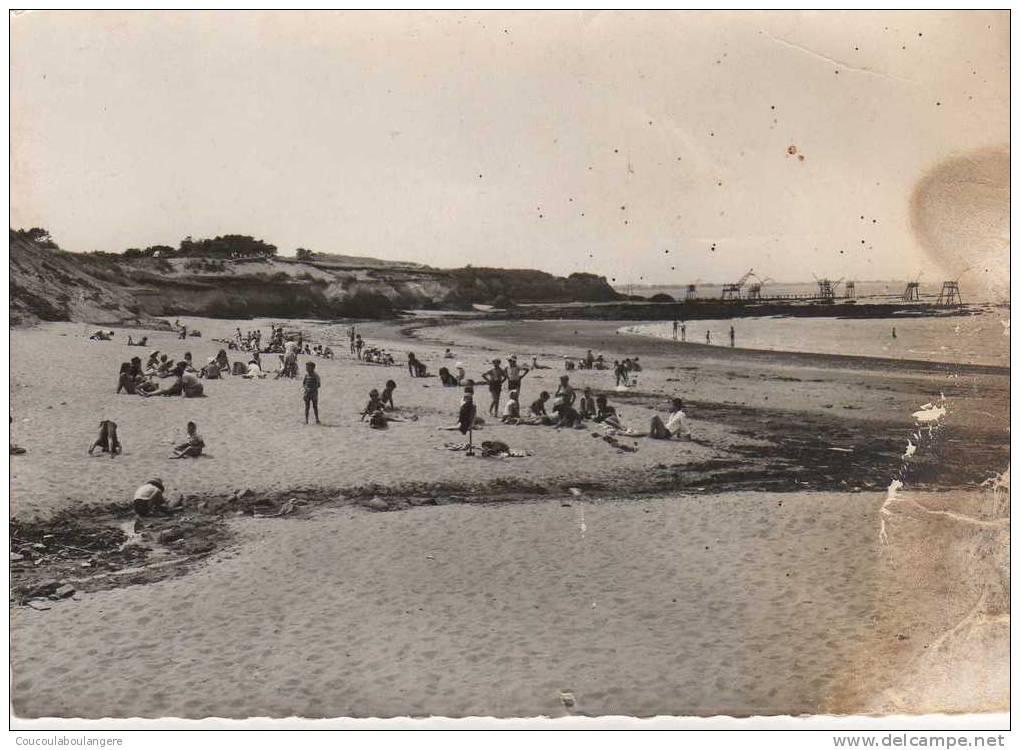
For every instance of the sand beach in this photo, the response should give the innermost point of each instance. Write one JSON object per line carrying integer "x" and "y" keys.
{"x": 747, "y": 571}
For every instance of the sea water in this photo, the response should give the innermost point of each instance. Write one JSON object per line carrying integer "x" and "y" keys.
{"x": 982, "y": 338}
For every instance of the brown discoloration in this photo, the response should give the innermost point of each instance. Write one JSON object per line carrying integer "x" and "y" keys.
{"x": 959, "y": 212}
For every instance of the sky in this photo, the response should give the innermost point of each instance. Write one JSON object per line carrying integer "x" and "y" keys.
{"x": 661, "y": 147}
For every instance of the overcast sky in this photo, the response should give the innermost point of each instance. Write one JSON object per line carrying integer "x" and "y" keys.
{"x": 561, "y": 141}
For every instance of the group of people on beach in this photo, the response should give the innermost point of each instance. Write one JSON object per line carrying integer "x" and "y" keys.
{"x": 565, "y": 408}
{"x": 680, "y": 333}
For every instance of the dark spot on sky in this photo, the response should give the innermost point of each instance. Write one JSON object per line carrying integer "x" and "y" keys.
{"x": 719, "y": 183}
{"x": 623, "y": 208}
{"x": 938, "y": 104}
{"x": 800, "y": 156}
{"x": 616, "y": 150}
{"x": 712, "y": 135}
{"x": 773, "y": 106}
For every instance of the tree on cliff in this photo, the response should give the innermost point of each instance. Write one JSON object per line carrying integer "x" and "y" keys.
{"x": 37, "y": 235}
{"x": 227, "y": 246}
{"x": 303, "y": 254}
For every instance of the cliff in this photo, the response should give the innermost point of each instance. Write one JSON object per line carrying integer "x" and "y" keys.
{"x": 50, "y": 284}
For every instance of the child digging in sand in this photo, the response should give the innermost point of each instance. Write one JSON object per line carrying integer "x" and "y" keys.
{"x": 107, "y": 441}
{"x": 192, "y": 446}
{"x": 310, "y": 384}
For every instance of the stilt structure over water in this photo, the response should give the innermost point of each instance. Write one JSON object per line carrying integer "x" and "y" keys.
{"x": 849, "y": 290}
{"x": 912, "y": 293}
{"x": 950, "y": 294}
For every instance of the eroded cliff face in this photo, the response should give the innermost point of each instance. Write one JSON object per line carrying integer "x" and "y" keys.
{"x": 49, "y": 284}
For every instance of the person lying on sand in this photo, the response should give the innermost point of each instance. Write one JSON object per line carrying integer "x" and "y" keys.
{"x": 149, "y": 497}
{"x": 107, "y": 441}
{"x": 675, "y": 425}
{"x": 536, "y": 366}
{"x": 101, "y": 336}
{"x": 185, "y": 384}
{"x": 192, "y": 445}
{"x": 141, "y": 342}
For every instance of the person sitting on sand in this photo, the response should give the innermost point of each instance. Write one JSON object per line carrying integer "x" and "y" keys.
{"x": 536, "y": 366}
{"x": 107, "y": 441}
{"x": 606, "y": 414}
{"x": 447, "y": 354}
{"x": 387, "y": 395}
{"x": 125, "y": 380}
{"x": 141, "y": 342}
{"x": 374, "y": 404}
{"x": 327, "y": 352}
{"x": 512, "y": 410}
{"x": 586, "y": 406}
{"x": 254, "y": 370}
{"x": 188, "y": 364}
{"x": 675, "y": 425}
{"x": 568, "y": 416}
{"x": 459, "y": 374}
{"x": 446, "y": 378}
{"x": 192, "y": 446}
{"x": 310, "y": 384}
{"x": 565, "y": 392}
{"x": 211, "y": 370}
{"x": 149, "y": 497}
{"x": 467, "y": 415}
{"x": 190, "y": 384}
{"x": 537, "y": 413}
{"x": 222, "y": 361}
{"x": 153, "y": 362}
{"x": 135, "y": 366}
{"x": 412, "y": 364}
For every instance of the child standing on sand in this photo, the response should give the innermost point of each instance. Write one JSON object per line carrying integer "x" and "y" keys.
{"x": 310, "y": 384}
